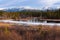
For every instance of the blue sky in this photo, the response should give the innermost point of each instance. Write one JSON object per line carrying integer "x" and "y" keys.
{"x": 30, "y": 4}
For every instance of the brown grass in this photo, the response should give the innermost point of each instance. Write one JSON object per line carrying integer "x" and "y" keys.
{"x": 21, "y": 32}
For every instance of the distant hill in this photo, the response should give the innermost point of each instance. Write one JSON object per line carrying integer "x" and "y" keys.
{"x": 19, "y": 9}
{"x": 13, "y": 9}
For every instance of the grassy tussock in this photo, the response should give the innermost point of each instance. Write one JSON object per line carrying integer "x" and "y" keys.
{"x": 20, "y": 32}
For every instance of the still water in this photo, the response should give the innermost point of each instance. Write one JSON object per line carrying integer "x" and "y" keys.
{"x": 29, "y": 22}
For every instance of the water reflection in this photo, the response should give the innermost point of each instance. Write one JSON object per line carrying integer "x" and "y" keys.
{"x": 30, "y": 22}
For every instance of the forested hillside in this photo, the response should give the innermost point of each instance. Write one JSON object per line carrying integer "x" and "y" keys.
{"x": 47, "y": 14}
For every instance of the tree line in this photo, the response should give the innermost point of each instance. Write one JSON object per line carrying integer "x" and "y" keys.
{"x": 47, "y": 14}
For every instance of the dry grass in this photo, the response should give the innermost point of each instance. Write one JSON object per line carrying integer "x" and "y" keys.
{"x": 21, "y": 32}
{"x": 5, "y": 24}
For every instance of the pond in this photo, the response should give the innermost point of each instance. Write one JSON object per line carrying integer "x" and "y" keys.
{"x": 29, "y": 22}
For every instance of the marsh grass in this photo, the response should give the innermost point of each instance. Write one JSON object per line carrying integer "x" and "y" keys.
{"x": 20, "y": 32}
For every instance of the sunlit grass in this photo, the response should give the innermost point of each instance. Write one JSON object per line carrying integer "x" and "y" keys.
{"x": 21, "y": 32}
{"x": 5, "y": 24}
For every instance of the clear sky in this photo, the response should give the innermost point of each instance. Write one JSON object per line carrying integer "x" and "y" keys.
{"x": 37, "y": 4}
